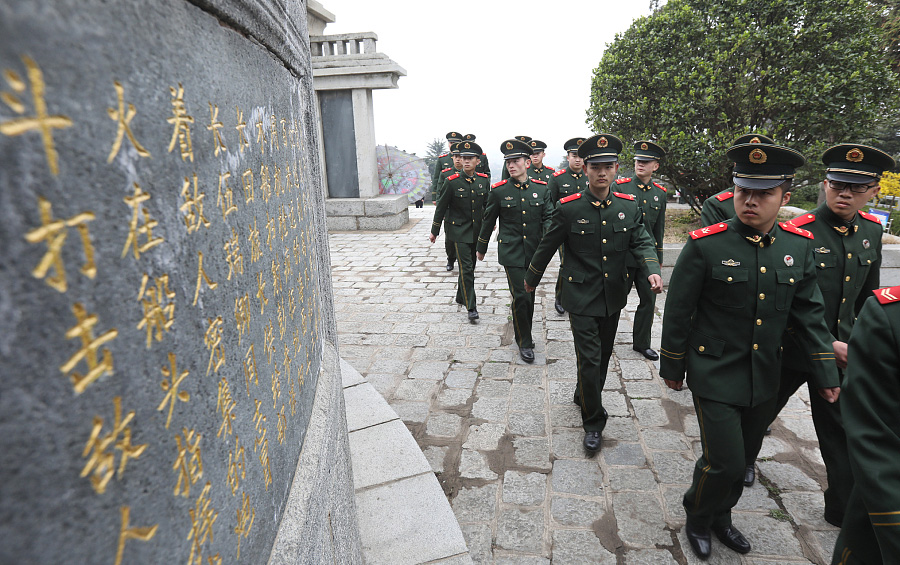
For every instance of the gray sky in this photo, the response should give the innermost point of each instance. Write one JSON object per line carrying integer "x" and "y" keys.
{"x": 458, "y": 56}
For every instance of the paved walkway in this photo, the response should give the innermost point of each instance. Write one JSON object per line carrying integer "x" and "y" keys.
{"x": 504, "y": 437}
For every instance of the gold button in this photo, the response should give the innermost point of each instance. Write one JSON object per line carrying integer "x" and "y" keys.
{"x": 523, "y": 225}
{"x": 582, "y": 232}
{"x": 761, "y": 244}
{"x": 762, "y": 296}
{"x": 604, "y": 257}
{"x": 604, "y": 222}
{"x": 523, "y": 200}
{"x": 645, "y": 201}
{"x": 606, "y": 275}
{"x": 762, "y": 269}
{"x": 570, "y": 279}
{"x": 624, "y": 229}
{"x": 847, "y": 278}
{"x": 849, "y": 255}
{"x": 603, "y": 241}
{"x": 822, "y": 265}
{"x": 791, "y": 280}
{"x": 843, "y": 300}
{"x": 869, "y": 261}
{"x": 729, "y": 279}
{"x": 524, "y": 237}
{"x": 755, "y": 347}
{"x": 758, "y": 322}
{"x": 701, "y": 349}
{"x": 839, "y": 321}
{"x": 523, "y": 211}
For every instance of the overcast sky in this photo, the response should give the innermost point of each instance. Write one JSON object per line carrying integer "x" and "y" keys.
{"x": 495, "y": 69}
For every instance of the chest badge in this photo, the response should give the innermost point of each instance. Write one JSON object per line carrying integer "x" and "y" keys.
{"x": 866, "y": 243}
{"x": 656, "y": 198}
{"x": 565, "y": 186}
{"x": 823, "y": 250}
{"x": 731, "y": 263}
{"x": 582, "y": 221}
{"x": 621, "y": 215}
{"x": 534, "y": 194}
{"x": 788, "y": 260}
{"x": 508, "y": 198}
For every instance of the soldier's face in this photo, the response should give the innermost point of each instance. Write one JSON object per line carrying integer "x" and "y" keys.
{"x": 759, "y": 208}
{"x": 846, "y": 203}
{"x": 576, "y": 163}
{"x": 469, "y": 162}
{"x": 516, "y": 167}
{"x": 537, "y": 159}
{"x": 601, "y": 175}
{"x": 457, "y": 161}
{"x": 645, "y": 169}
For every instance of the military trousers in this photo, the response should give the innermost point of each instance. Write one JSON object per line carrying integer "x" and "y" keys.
{"x": 643, "y": 317}
{"x": 832, "y": 439}
{"x": 465, "y": 286}
{"x": 594, "y": 338}
{"x": 522, "y": 306}
{"x": 451, "y": 251}
{"x": 728, "y": 435}
{"x": 857, "y": 543}
{"x": 559, "y": 280}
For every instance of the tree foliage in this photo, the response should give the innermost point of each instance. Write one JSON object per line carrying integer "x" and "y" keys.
{"x": 696, "y": 74}
{"x": 435, "y": 150}
{"x": 890, "y": 185}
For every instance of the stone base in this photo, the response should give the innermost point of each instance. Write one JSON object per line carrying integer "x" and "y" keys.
{"x": 386, "y": 212}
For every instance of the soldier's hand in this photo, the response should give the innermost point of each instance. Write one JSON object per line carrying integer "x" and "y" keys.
{"x": 529, "y": 288}
{"x": 674, "y": 385}
{"x": 656, "y": 285}
{"x": 480, "y": 256}
{"x": 830, "y": 394}
{"x": 431, "y": 237}
{"x": 840, "y": 353}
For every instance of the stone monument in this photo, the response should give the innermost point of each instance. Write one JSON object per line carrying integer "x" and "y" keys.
{"x": 169, "y": 382}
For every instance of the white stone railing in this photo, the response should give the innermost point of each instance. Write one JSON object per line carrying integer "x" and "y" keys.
{"x": 342, "y": 44}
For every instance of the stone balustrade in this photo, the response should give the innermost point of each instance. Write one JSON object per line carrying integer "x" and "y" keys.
{"x": 343, "y": 44}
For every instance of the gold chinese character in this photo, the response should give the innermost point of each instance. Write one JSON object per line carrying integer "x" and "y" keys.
{"x": 264, "y": 187}
{"x": 273, "y": 126}
{"x": 242, "y": 315}
{"x": 288, "y": 271}
{"x": 276, "y": 388}
{"x": 271, "y": 230}
{"x": 193, "y": 206}
{"x": 236, "y": 467}
{"x": 158, "y": 306}
{"x": 269, "y": 341}
{"x": 296, "y": 251}
{"x": 101, "y": 463}
{"x": 181, "y": 122}
{"x": 261, "y": 136}
{"x": 253, "y": 238}
{"x": 278, "y": 188}
{"x": 84, "y": 330}
{"x": 282, "y": 321}
{"x": 53, "y": 233}
{"x": 170, "y": 385}
{"x": 233, "y": 255}
{"x": 261, "y": 293}
{"x": 41, "y": 121}
{"x": 284, "y": 134}
{"x": 225, "y": 404}
{"x": 282, "y": 423}
{"x": 287, "y": 361}
{"x": 134, "y": 232}
{"x": 123, "y": 124}
{"x": 291, "y": 305}
{"x": 241, "y": 124}
{"x": 214, "y": 560}
{"x": 214, "y": 126}
{"x": 213, "y": 341}
{"x": 225, "y": 199}
{"x": 202, "y": 277}
{"x": 296, "y": 339}
{"x": 288, "y": 180}
{"x": 293, "y": 134}
{"x": 247, "y": 183}
{"x": 126, "y": 533}
{"x": 203, "y": 516}
{"x": 245, "y": 516}
{"x": 264, "y": 462}
{"x": 188, "y": 464}
{"x": 250, "y": 373}
{"x": 292, "y": 399}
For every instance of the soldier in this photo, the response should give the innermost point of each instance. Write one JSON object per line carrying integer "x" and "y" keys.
{"x": 719, "y": 207}
{"x": 848, "y": 260}
{"x": 537, "y": 169}
{"x": 651, "y": 199}
{"x": 483, "y": 167}
{"x": 444, "y": 161}
{"x": 524, "y": 207}
{"x": 523, "y": 139}
{"x": 870, "y": 401}
{"x": 563, "y": 183}
{"x": 457, "y": 166}
{"x": 462, "y": 201}
{"x": 599, "y": 228}
{"x": 734, "y": 289}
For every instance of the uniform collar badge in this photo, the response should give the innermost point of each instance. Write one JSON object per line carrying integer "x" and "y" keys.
{"x": 621, "y": 215}
{"x": 866, "y": 243}
{"x": 582, "y": 221}
{"x": 843, "y": 230}
{"x": 731, "y": 263}
{"x": 788, "y": 260}
{"x": 824, "y": 250}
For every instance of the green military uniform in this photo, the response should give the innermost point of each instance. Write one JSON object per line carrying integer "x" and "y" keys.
{"x": 444, "y": 161}
{"x": 870, "y": 406}
{"x": 720, "y": 207}
{"x": 598, "y": 234}
{"x": 524, "y": 210}
{"x": 462, "y": 203}
{"x": 483, "y": 167}
{"x": 732, "y": 293}
{"x": 563, "y": 183}
{"x": 545, "y": 173}
{"x": 848, "y": 261}
{"x": 448, "y": 245}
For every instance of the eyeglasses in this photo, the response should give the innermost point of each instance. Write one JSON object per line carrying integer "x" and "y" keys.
{"x": 858, "y": 188}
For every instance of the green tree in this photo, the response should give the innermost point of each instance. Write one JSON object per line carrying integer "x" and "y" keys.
{"x": 696, "y": 74}
{"x": 435, "y": 150}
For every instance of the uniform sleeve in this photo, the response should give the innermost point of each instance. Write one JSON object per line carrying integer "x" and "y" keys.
{"x": 683, "y": 295}
{"x": 443, "y": 203}
{"x": 487, "y": 166}
{"x": 436, "y": 179}
{"x": 551, "y": 241}
{"x": 869, "y": 404}
{"x": 659, "y": 230}
{"x": 547, "y": 213}
{"x": 710, "y": 214}
{"x": 873, "y": 280}
{"x": 487, "y": 224}
{"x": 641, "y": 245}
{"x": 553, "y": 189}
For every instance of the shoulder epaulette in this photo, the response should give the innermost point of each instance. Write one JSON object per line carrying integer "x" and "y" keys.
{"x": 444, "y": 155}
{"x": 869, "y": 217}
{"x": 539, "y": 181}
{"x": 661, "y": 187}
{"x": 887, "y": 295}
{"x": 482, "y": 175}
{"x": 623, "y": 181}
{"x": 803, "y": 220}
{"x": 571, "y": 197}
{"x": 445, "y": 170}
{"x": 453, "y": 176}
{"x": 788, "y": 227}
{"x": 709, "y": 230}
{"x": 625, "y": 196}
{"x": 483, "y": 153}
{"x": 549, "y": 167}
{"x": 559, "y": 172}
{"x": 501, "y": 183}
{"x": 724, "y": 196}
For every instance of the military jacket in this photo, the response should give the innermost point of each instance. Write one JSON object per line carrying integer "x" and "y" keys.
{"x": 717, "y": 208}
{"x": 599, "y": 235}
{"x": 545, "y": 173}
{"x": 564, "y": 183}
{"x": 870, "y": 409}
{"x": 443, "y": 178}
{"x": 484, "y": 167}
{"x": 462, "y": 201}
{"x": 524, "y": 210}
{"x": 651, "y": 199}
{"x": 443, "y": 162}
{"x": 731, "y": 296}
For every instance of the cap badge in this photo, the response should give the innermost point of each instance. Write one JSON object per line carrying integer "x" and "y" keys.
{"x": 579, "y": 142}
{"x": 755, "y": 140}
{"x": 731, "y": 263}
{"x": 468, "y": 145}
{"x": 621, "y": 215}
{"x": 533, "y": 144}
{"x": 788, "y": 260}
{"x": 866, "y": 243}
{"x": 582, "y": 221}
{"x": 758, "y": 157}
{"x": 602, "y": 142}
{"x": 855, "y": 155}
{"x": 509, "y": 145}
{"x": 644, "y": 146}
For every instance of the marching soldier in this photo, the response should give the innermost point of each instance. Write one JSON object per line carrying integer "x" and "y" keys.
{"x": 444, "y": 161}
{"x": 651, "y": 199}
{"x": 523, "y": 139}
{"x": 599, "y": 228}
{"x": 462, "y": 203}
{"x": 538, "y": 170}
{"x": 524, "y": 207}
{"x": 563, "y": 183}
{"x": 734, "y": 288}
{"x": 720, "y": 207}
{"x": 870, "y": 408}
{"x": 457, "y": 166}
{"x": 483, "y": 166}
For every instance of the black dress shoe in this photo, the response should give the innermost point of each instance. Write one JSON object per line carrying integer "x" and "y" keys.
{"x": 648, "y": 353}
{"x": 749, "y": 475}
{"x": 592, "y": 441}
{"x": 527, "y": 354}
{"x": 473, "y": 315}
{"x": 559, "y": 308}
{"x": 734, "y": 539}
{"x": 700, "y": 540}
{"x": 450, "y": 266}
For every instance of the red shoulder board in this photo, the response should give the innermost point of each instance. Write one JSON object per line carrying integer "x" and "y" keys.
{"x": 787, "y": 226}
{"x": 501, "y": 183}
{"x": 445, "y": 170}
{"x": 571, "y": 197}
{"x": 887, "y": 295}
{"x": 559, "y": 172}
{"x": 803, "y": 220}
{"x": 444, "y": 155}
{"x": 625, "y": 196}
{"x": 869, "y": 217}
{"x": 482, "y": 175}
{"x": 623, "y": 181}
{"x": 483, "y": 153}
{"x": 661, "y": 187}
{"x": 549, "y": 167}
{"x": 539, "y": 181}
{"x": 453, "y": 176}
{"x": 709, "y": 230}
{"x": 724, "y": 196}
